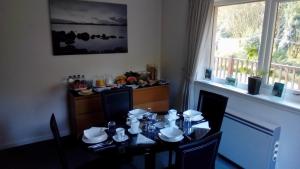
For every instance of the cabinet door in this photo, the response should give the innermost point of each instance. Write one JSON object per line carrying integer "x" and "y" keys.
{"x": 156, "y": 98}
{"x": 88, "y": 105}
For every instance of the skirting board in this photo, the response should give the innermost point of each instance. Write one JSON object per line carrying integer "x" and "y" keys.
{"x": 31, "y": 140}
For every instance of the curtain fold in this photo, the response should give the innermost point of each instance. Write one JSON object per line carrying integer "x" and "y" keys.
{"x": 200, "y": 14}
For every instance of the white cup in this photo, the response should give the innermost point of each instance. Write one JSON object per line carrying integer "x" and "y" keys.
{"x": 172, "y": 123}
{"x": 120, "y": 133}
{"x": 135, "y": 126}
{"x": 172, "y": 113}
{"x": 130, "y": 119}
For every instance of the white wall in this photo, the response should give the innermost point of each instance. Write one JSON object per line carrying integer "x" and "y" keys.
{"x": 31, "y": 83}
{"x": 174, "y": 45}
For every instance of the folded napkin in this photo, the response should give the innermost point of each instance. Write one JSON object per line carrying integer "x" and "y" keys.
{"x": 193, "y": 114}
{"x": 141, "y": 139}
{"x": 204, "y": 125}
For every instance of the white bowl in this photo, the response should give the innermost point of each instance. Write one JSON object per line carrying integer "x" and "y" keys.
{"x": 86, "y": 91}
{"x": 95, "y": 134}
{"x": 171, "y": 132}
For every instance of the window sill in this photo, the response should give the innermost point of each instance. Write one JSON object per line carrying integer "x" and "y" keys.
{"x": 287, "y": 102}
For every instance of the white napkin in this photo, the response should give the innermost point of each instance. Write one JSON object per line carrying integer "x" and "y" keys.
{"x": 141, "y": 139}
{"x": 204, "y": 125}
{"x": 194, "y": 114}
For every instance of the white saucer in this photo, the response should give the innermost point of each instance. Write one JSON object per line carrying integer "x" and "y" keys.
{"x": 117, "y": 140}
{"x": 89, "y": 141}
{"x": 131, "y": 132}
{"x": 164, "y": 138}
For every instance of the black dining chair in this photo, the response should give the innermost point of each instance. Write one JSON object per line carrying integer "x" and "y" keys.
{"x": 96, "y": 163}
{"x": 199, "y": 154}
{"x": 116, "y": 103}
{"x": 213, "y": 107}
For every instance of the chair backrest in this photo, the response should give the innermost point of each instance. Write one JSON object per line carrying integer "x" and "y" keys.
{"x": 57, "y": 139}
{"x": 200, "y": 154}
{"x": 116, "y": 103}
{"x": 213, "y": 107}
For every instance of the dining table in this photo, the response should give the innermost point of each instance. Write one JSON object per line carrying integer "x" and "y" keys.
{"x": 132, "y": 147}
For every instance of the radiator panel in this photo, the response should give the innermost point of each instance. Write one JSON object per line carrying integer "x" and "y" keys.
{"x": 249, "y": 142}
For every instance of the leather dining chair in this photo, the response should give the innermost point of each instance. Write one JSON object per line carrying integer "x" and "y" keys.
{"x": 65, "y": 162}
{"x": 213, "y": 107}
{"x": 116, "y": 103}
{"x": 200, "y": 154}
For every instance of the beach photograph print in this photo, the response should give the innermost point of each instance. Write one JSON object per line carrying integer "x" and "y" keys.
{"x": 81, "y": 27}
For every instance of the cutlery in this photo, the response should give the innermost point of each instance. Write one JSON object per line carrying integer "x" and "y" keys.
{"x": 188, "y": 137}
{"x": 101, "y": 144}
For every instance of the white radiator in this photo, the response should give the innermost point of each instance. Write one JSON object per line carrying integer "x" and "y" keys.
{"x": 249, "y": 142}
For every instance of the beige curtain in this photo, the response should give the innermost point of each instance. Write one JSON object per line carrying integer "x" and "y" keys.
{"x": 200, "y": 15}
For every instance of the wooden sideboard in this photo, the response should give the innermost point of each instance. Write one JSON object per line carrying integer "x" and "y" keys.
{"x": 86, "y": 111}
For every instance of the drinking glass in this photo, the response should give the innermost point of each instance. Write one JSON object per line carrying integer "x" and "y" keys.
{"x": 111, "y": 127}
{"x": 187, "y": 125}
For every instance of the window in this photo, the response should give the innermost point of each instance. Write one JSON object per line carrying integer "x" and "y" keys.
{"x": 285, "y": 61}
{"x": 237, "y": 39}
{"x": 248, "y": 38}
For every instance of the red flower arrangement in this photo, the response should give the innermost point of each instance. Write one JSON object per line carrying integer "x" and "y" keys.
{"x": 131, "y": 80}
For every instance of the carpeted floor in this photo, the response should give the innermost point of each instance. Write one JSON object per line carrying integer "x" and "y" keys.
{"x": 43, "y": 155}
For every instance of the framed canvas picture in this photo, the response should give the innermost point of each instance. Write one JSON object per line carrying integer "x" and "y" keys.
{"x": 277, "y": 89}
{"x": 231, "y": 81}
{"x": 208, "y": 74}
{"x": 84, "y": 27}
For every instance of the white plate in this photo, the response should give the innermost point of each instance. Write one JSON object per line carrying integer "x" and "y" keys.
{"x": 100, "y": 89}
{"x": 164, "y": 138}
{"x": 88, "y": 141}
{"x": 131, "y": 132}
{"x": 117, "y": 140}
{"x": 133, "y": 86}
{"x": 85, "y": 94}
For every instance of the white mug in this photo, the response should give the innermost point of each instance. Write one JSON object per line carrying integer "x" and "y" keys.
{"x": 120, "y": 133}
{"x": 130, "y": 119}
{"x": 135, "y": 126}
{"x": 172, "y": 123}
{"x": 172, "y": 112}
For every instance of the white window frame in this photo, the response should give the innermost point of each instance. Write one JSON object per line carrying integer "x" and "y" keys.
{"x": 267, "y": 36}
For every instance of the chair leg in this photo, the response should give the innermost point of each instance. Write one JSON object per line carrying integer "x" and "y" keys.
{"x": 170, "y": 158}
{"x": 149, "y": 160}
